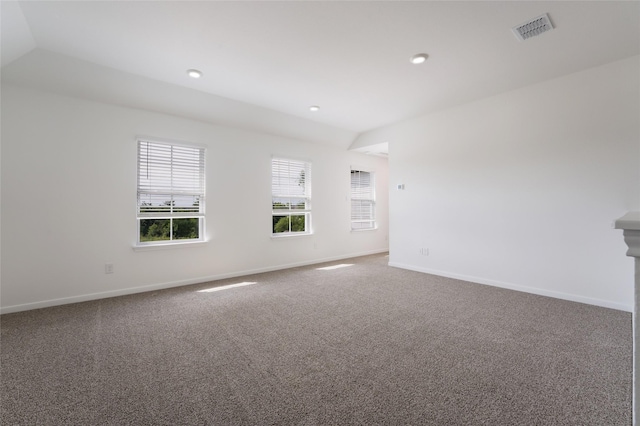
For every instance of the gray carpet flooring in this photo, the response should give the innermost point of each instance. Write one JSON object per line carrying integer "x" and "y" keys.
{"x": 361, "y": 345}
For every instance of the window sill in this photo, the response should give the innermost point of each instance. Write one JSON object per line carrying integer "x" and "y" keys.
{"x": 287, "y": 236}
{"x": 364, "y": 230}
{"x": 166, "y": 246}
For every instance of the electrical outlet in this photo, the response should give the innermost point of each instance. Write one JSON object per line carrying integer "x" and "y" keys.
{"x": 423, "y": 251}
{"x": 108, "y": 268}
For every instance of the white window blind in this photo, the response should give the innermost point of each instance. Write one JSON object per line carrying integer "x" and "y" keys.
{"x": 171, "y": 185}
{"x": 362, "y": 200}
{"x": 290, "y": 196}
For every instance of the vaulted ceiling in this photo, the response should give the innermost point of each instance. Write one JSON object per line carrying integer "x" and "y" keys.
{"x": 265, "y": 63}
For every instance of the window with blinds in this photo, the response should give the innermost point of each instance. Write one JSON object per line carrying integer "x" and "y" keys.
{"x": 363, "y": 205}
{"x": 171, "y": 192}
{"x": 290, "y": 197}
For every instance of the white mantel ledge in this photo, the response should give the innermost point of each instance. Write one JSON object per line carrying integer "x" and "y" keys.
{"x": 630, "y": 224}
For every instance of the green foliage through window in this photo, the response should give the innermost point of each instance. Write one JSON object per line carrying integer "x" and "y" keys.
{"x": 289, "y": 223}
{"x": 160, "y": 229}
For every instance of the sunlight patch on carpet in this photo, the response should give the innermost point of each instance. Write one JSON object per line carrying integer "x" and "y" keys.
{"x": 329, "y": 268}
{"x": 225, "y": 287}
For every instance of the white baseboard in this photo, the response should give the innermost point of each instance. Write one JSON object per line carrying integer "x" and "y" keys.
{"x": 160, "y": 286}
{"x": 516, "y": 287}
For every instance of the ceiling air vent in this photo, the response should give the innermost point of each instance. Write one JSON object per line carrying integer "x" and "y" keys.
{"x": 532, "y": 28}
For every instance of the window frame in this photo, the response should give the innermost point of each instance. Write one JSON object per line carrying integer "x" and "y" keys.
{"x": 194, "y": 164}
{"x": 353, "y": 197}
{"x": 305, "y": 196}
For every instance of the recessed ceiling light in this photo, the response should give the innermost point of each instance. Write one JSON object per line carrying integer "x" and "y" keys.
{"x": 419, "y": 58}
{"x": 194, "y": 73}
{"x": 314, "y": 108}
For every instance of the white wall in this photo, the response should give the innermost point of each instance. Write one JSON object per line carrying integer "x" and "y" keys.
{"x": 69, "y": 202}
{"x": 520, "y": 190}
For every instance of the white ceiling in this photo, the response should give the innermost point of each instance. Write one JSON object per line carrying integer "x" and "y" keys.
{"x": 265, "y": 63}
